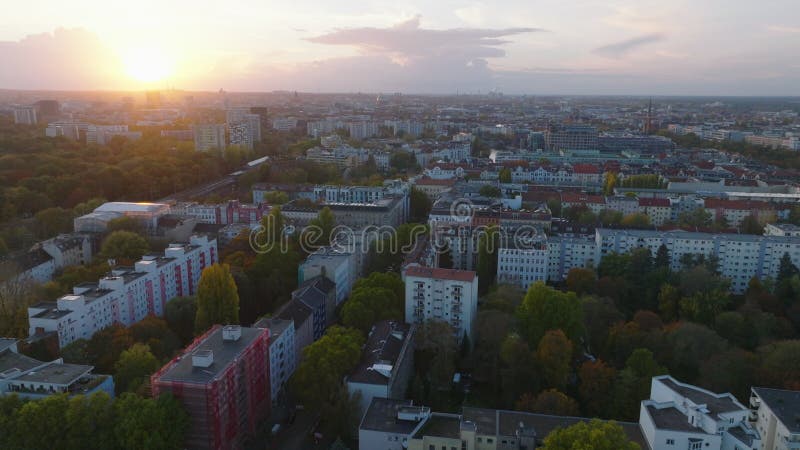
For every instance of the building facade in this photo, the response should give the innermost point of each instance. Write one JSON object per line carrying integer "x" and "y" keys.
{"x": 446, "y": 295}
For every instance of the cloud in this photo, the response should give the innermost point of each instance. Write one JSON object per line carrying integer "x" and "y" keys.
{"x": 64, "y": 59}
{"x": 619, "y": 49}
{"x": 409, "y": 40}
{"x": 784, "y": 29}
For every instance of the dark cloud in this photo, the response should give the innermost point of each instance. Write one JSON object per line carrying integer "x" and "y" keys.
{"x": 619, "y": 49}
{"x": 64, "y": 59}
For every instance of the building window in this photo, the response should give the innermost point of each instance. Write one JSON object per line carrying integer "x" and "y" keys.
{"x": 670, "y": 441}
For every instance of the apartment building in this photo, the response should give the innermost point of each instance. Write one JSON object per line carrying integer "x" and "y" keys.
{"x": 741, "y": 256}
{"x": 776, "y": 413}
{"x": 386, "y": 364}
{"x": 209, "y": 136}
{"x": 680, "y": 416}
{"x": 127, "y": 294}
{"x": 222, "y": 380}
{"x": 25, "y": 115}
{"x": 282, "y": 353}
{"x": 446, "y": 295}
{"x": 547, "y": 258}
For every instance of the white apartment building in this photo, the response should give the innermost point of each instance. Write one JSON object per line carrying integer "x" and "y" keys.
{"x": 741, "y": 256}
{"x": 282, "y": 353}
{"x": 25, "y": 115}
{"x": 363, "y": 130}
{"x": 209, "y": 136}
{"x": 126, "y": 295}
{"x": 338, "y": 266}
{"x": 442, "y": 294}
{"x": 549, "y": 259}
{"x": 776, "y": 413}
{"x": 680, "y": 416}
{"x": 102, "y": 134}
{"x": 284, "y": 123}
{"x": 782, "y": 229}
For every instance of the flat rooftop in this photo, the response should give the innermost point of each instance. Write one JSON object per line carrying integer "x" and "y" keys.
{"x": 10, "y": 361}
{"x": 716, "y": 403}
{"x": 382, "y": 416}
{"x": 441, "y": 425}
{"x": 61, "y": 374}
{"x": 670, "y": 418}
{"x": 784, "y": 404}
{"x": 225, "y": 352}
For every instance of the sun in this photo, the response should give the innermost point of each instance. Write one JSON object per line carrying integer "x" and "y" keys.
{"x": 147, "y": 65}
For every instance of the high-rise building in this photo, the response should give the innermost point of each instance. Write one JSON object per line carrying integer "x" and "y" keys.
{"x": 446, "y": 295}
{"x": 210, "y": 136}
{"x": 222, "y": 380}
{"x": 571, "y": 137}
{"x": 25, "y": 115}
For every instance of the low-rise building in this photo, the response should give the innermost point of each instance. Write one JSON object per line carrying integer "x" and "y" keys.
{"x": 682, "y": 416}
{"x": 32, "y": 379}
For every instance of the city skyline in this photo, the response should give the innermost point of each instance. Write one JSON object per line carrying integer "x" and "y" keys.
{"x": 543, "y": 47}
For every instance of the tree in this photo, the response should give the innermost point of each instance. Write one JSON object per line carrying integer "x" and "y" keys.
{"x": 124, "y": 245}
{"x": 691, "y": 344}
{"x": 437, "y": 349}
{"x": 780, "y": 366}
{"x": 487, "y": 190}
{"x": 125, "y": 223}
{"x": 133, "y": 366}
{"x": 155, "y": 332}
{"x": 550, "y": 402}
{"x": 503, "y": 297}
{"x": 419, "y": 204}
{"x": 633, "y": 383}
{"x": 581, "y": 281}
{"x": 554, "y": 354}
{"x": 786, "y": 269}
{"x": 751, "y": 225}
{"x": 89, "y": 422}
{"x": 488, "y": 244}
{"x": 368, "y": 305}
{"x": 491, "y": 328}
{"x": 147, "y": 423}
{"x": 696, "y": 218}
{"x": 322, "y": 227}
{"x": 592, "y": 435}
{"x": 609, "y": 182}
{"x": 325, "y": 363}
{"x": 545, "y": 308}
{"x": 636, "y": 220}
{"x": 704, "y": 306}
{"x": 276, "y": 197}
{"x": 180, "y": 315}
{"x": 662, "y": 257}
{"x": 519, "y": 372}
{"x": 596, "y": 387}
{"x": 504, "y": 176}
{"x": 600, "y": 314}
{"x": 217, "y": 298}
{"x": 53, "y": 221}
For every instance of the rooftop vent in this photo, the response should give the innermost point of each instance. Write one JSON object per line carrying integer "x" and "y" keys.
{"x": 202, "y": 358}
{"x": 231, "y": 333}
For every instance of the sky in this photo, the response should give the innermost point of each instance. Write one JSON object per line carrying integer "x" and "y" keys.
{"x": 615, "y": 47}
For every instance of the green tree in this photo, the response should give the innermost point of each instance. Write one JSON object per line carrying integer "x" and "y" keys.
{"x": 147, "y": 423}
{"x": 698, "y": 217}
{"x": 217, "y": 298}
{"x": 581, "y": 281}
{"x": 89, "y": 422}
{"x": 125, "y": 223}
{"x": 276, "y": 198}
{"x": 325, "y": 363}
{"x": 545, "y": 308}
{"x": 490, "y": 191}
{"x": 53, "y": 221}
{"x": 554, "y": 355}
{"x": 662, "y": 257}
{"x": 596, "y": 387}
{"x": 592, "y": 435}
{"x": 322, "y": 225}
{"x": 368, "y": 305}
{"x": 751, "y": 225}
{"x": 133, "y": 366}
{"x": 180, "y": 314}
{"x": 504, "y": 175}
{"x": 124, "y": 245}
{"x": 420, "y": 205}
{"x": 633, "y": 383}
{"x": 488, "y": 243}
{"x": 437, "y": 350}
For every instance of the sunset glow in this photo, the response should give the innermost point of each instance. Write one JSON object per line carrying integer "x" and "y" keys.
{"x": 147, "y": 65}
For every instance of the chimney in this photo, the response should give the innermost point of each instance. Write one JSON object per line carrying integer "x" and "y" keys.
{"x": 202, "y": 358}
{"x": 231, "y": 333}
